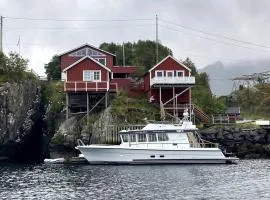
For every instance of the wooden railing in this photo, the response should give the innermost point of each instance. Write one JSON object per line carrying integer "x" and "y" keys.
{"x": 190, "y": 80}
{"x": 80, "y": 86}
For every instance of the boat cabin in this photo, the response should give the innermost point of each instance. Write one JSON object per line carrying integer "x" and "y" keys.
{"x": 155, "y": 138}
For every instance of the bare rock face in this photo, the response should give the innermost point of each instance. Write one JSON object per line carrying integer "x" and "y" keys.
{"x": 20, "y": 121}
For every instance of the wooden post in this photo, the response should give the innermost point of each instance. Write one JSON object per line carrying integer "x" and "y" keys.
{"x": 106, "y": 99}
{"x": 87, "y": 104}
{"x": 174, "y": 113}
{"x": 189, "y": 103}
{"x": 67, "y": 107}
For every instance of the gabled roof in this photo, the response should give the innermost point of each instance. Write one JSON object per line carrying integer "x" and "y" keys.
{"x": 86, "y": 45}
{"x": 83, "y": 58}
{"x": 169, "y": 56}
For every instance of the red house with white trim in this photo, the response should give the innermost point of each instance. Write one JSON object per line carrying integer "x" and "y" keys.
{"x": 90, "y": 75}
{"x": 168, "y": 84}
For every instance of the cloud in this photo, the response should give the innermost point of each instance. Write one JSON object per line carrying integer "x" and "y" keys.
{"x": 40, "y": 40}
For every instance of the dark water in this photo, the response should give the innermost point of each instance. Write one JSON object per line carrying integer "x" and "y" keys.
{"x": 250, "y": 179}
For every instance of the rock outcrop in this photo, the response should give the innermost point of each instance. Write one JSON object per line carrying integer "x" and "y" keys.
{"x": 21, "y": 122}
{"x": 245, "y": 143}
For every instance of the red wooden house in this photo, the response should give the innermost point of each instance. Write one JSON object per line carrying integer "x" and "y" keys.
{"x": 90, "y": 74}
{"x": 168, "y": 84}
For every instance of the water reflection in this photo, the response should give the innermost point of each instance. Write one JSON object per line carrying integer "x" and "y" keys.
{"x": 247, "y": 180}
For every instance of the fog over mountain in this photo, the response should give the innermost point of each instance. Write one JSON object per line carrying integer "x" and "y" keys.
{"x": 220, "y": 74}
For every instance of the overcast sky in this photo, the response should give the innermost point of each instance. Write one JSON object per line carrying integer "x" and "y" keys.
{"x": 184, "y": 26}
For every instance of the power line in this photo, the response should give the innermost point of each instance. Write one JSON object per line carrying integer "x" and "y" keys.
{"x": 215, "y": 35}
{"x": 76, "y": 28}
{"x": 77, "y": 20}
{"x": 219, "y": 41}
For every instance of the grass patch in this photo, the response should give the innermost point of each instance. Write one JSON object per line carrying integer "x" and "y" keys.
{"x": 133, "y": 110}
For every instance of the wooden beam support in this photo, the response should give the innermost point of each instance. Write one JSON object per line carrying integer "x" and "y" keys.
{"x": 67, "y": 107}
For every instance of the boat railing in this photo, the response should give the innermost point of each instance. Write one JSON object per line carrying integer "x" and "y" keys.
{"x": 80, "y": 142}
{"x": 204, "y": 144}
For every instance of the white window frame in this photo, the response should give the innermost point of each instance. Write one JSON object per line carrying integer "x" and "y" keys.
{"x": 90, "y": 75}
{"x": 92, "y": 72}
{"x": 183, "y": 72}
{"x": 156, "y": 73}
{"x": 98, "y": 59}
{"x": 170, "y": 71}
{"x": 99, "y": 71}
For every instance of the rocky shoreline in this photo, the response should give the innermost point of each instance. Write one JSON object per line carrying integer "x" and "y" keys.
{"x": 244, "y": 143}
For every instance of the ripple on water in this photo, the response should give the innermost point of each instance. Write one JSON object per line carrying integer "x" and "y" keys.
{"x": 247, "y": 180}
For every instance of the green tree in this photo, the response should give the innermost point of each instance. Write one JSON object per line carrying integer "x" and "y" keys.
{"x": 53, "y": 70}
{"x": 141, "y": 53}
{"x": 201, "y": 92}
{"x": 12, "y": 67}
{"x": 188, "y": 63}
{"x": 3, "y": 60}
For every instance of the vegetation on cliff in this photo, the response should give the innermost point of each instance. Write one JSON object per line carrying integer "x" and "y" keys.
{"x": 133, "y": 110}
{"x": 201, "y": 92}
{"x": 53, "y": 98}
{"x": 13, "y": 68}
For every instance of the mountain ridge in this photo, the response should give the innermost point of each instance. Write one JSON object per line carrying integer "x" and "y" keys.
{"x": 221, "y": 75}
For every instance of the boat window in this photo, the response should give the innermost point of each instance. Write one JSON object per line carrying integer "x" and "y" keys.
{"x": 152, "y": 137}
{"x": 132, "y": 137}
{"x": 163, "y": 137}
{"x": 142, "y": 138}
{"x": 125, "y": 138}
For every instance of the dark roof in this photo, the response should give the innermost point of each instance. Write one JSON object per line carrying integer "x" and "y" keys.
{"x": 233, "y": 110}
{"x": 123, "y": 69}
{"x": 86, "y": 45}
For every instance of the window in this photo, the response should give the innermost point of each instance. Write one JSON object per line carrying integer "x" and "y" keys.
{"x": 162, "y": 137}
{"x": 159, "y": 73}
{"x": 132, "y": 137}
{"x": 101, "y": 60}
{"x": 96, "y": 76}
{"x": 125, "y": 138}
{"x": 142, "y": 138}
{"x": 86, "y": 52}
{"x": 179, "y": 73}
{"x": 87, "y": 75}
{"x": 91, "y": 75}
{"x": 152, "y": 137}
{"x": 169, "y": 73}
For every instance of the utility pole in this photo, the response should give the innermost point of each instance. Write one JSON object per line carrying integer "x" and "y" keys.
{"x": 1, "y": 32}
{"x": 124, "y": 54}
{"x": 156, "y": 38}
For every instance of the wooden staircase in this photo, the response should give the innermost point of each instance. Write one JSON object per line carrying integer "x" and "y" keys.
{"x": 196, "y": 112}
{"x": 200, "y": 115}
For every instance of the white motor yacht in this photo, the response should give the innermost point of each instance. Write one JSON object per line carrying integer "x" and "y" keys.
{"x": 157, "y": 143}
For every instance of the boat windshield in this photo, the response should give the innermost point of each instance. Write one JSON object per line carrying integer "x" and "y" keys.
{"x": 163, "y": 137}
{"x": 144, "y": 137}
{"x": 152, "y": 137}
{"x": 132, "y": 137}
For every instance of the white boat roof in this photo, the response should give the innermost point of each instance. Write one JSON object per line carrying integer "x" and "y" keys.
{"x": 160, "y": 127}
{"x": 184, "y": 126}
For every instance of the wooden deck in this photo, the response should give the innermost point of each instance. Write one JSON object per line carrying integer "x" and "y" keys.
{"x": 88, "y": 86}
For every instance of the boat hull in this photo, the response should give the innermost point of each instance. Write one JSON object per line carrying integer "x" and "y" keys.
{"x": 120, "y": 155}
